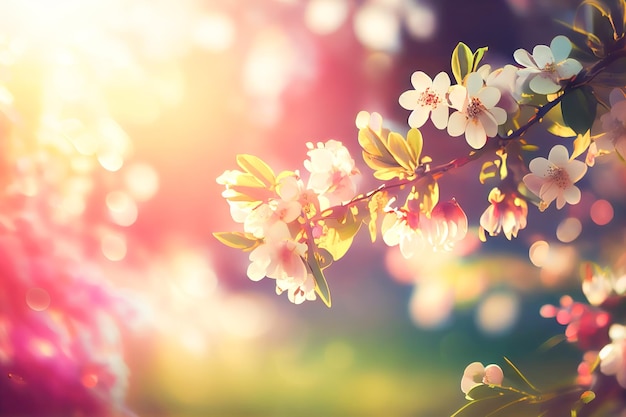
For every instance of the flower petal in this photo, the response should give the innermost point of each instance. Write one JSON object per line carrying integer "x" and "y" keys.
{"x": 533, "y": 183}
{"x": 568, "y": 68}
{"x": 418, "y": 117}
{"x": 576, "y": 170}
{"x": 559, "y": 155}
{"x": 489, "y": 96}
{"x": 523, "y": 58}
{"x": 499, "y": 115}
{"x": 540, "y": 166}
{"x": 421, "y": 81}
{"x": 549, "y": 191}
{"x": 560, "y": 47}
{"x": 441, "y": 83}
{"x": 440, "y": 116}
{"x": 572, "y": 195}
{"x": 409, "y": 99}
{"x": 489, "y": 123}
{"x": 542, "y": 84}
{"x": 457, "y": 124}
{"x": 475, "y": 135}
{"x": 543, "y": 56}
{"x": 457, "y": 96}
{"x": 474, "y": 83}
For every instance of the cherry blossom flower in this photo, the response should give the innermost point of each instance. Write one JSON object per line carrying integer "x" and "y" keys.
{"x": 547, "y": 66}
{"x": 333, "y": 172}
{"x": 554, "y": 178}
{"x": 279, "y": 257}
{"x": 476, "y": 374}
{"x": 504, "y": 79}
{"x": 401, "y": 226}
{"x": 597, "y": 286}
{"x": 507, "y": 213}
{"x": 613, "y": 356}
{"x": 285, "y": 209}
{"x": 614, "y": 125}
{"x": 429, "y": 98}
{"x": 446, "y": 226}
{"x": 477, "y": 115}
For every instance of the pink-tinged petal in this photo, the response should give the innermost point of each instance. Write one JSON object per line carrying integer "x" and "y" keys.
{"x": 620, "y": 147}
{"x": 457, "y": 124}
{"x": 541, "y": 84}
{"x": 475, "y": 135}
{"x": 418, "y": 117}
{"x": 474, "y": 82}
{"x": 572, "y": 195}
{"x": 472, "y": 376}
{"x": 533, "y": 183}
{"x": 559, "y": 155}
{"x": 549, "y": 191}
{"x": 440, "y": 117}
{"x": 493, "y": 375}
{"x": 618, "y": 111}
{"x": 441, "y": 83}
{"x": 560, "y": 47}
{"x": 421, "y": 81}
{"x": 409, "y": 99}
{"x": 543, "y": 56}
{"x": 489, "y": 123}
{"x": 560, "y": 201}
{"x": 616, "y": 95}
{"x": 457, "y": 96}
{"x": 568, "y": 68}
{"x": 610, "y": 359}
{"x": 523, "y": 58}
{"x": 540, "y": 166}
{"x": 489, "y": 96}
{"x": 499, "y": 115}
{"x": 576, "y": 170}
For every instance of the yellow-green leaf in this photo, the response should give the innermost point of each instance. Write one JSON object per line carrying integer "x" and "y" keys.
{"x": 400, "y": 150}
{"x": 243, "y": 241}
{"x": 257, "y": 168}
{"x": 321, "y": 286}
{"x": 462, "y": 62}
{"x": 581, "y": 143}
{"x": 478, "y": 56}
{"x": 415, "y": 143}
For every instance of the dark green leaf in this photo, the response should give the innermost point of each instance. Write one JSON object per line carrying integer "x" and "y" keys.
{"x": 462, "y": 62}
{"x": 579, "y": 109}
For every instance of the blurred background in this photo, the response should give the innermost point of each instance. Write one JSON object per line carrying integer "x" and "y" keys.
{"x": 118, "y": 116}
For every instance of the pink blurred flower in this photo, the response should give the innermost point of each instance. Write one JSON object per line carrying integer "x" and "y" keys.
{"x": 446, "y": 226}
{"x": 614, "y": 125}
{"x": 613, "y": 355}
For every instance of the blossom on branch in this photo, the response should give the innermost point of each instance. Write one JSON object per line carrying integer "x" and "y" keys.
{"x": 429, "y": 98}
{"x": 614, "y": 125}
{"x": 554, "y": 178}
{"x": 477, "y": 115}
{"x": 547, "y": 66}
{"x": 333, "y": 172}
{"x": 507, "y": 213}
{"x": 446, "y": 226}
{"x": 401, "y": 226}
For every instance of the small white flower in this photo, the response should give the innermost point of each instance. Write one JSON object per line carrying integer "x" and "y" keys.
{"x": 504, "y": 79}
{"x": 427, "y": 99}
{"x": 476, "y": 374}
{"x": 402, "y": 226}
{"x": 547, "y": 66}
{"x": 553, "y": 178}
{"x": 297, "y": 293}
{"x": 477, "y": 115}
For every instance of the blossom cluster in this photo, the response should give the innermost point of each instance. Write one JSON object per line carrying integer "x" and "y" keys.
{"x": 281, "y": 214}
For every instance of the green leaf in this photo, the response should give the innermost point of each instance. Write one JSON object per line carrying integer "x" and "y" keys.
{"x": 321, "y": 286}
{"x": 521, "y": 375}
{"x": 244, "y": 241}
{"x": 478, "y": 56}
{"x": 579, "y": 108}
{"x": 462, "y": 62}
{"x": 257, "y": 168}
{"x": 416, "y": 143}
{"x": 400, "y": 150}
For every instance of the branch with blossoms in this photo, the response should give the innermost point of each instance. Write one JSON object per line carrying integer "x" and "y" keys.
{"x": 295, "y": 226}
